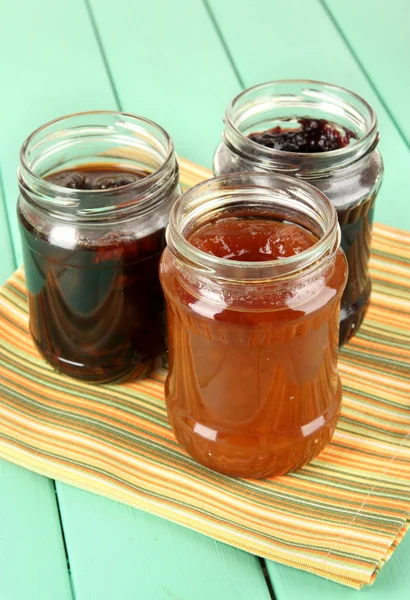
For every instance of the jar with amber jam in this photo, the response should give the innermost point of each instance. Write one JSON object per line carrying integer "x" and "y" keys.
{"x": 95, "y": 193}
{"x": 323, "y": 134}
{"x": 253, "y": 276}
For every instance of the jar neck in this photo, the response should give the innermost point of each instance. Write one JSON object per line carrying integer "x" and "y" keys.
{"x": 100, "y": 140}
{"x": 265, "y": 106}
{"x": 264, "y": 196}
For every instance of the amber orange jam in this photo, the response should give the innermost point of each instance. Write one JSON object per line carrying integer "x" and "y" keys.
{"x": 253, "y": 277}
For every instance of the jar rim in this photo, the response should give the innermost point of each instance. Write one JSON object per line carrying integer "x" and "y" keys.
{"x": 272, "y": 188}
{"x": 350, "y": 153}
{"x": 70, "y": 198}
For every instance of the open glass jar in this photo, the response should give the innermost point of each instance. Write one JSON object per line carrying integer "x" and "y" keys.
{"x": 95, "y": 193}
{"x": 253, "y": 388}
{"x": 350, "y": 176}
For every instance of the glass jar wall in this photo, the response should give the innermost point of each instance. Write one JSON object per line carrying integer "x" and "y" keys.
{"x": 253, "y": 277}
{"x": 95, "y": 193}
{"x": 323, "y": 134}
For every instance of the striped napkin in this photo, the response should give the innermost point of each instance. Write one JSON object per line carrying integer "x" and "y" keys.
{"x": 340, "y": 517}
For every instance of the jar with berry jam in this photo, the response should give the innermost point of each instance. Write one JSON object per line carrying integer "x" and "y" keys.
{"x": 253, "y": 275}
{"x": 327, "y": 136}
{"x": 95, "y": 194}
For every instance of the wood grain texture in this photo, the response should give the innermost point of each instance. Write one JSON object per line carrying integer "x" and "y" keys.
{"x": 119, "y": 552}
{"x": 297, "y": 39}
{"x": 32, "y": 557}
{"x": 168, "y": 64}
{"x": 379, "y": 35}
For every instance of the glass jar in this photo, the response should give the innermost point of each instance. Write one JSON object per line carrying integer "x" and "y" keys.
{"x": 350, "y": 176}
{"x": 91, "y": 255}
{"x": 253, "y": 388}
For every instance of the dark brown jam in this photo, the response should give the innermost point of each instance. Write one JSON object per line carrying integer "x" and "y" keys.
{"x": 95, "y": 178}
{"x": 320, "y": 135}
{"x": 356, "y": 226}
{"x": 96, "y": 306}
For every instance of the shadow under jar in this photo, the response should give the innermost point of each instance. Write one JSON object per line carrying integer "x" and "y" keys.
{"x": 95, "y": 194}
{"x": 323, "y": 134}
{"x": 253, "y": 275}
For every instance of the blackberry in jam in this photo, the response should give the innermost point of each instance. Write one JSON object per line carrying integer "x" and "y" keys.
{"x": 95, "y": 179}
{"x": 312, "y": 135}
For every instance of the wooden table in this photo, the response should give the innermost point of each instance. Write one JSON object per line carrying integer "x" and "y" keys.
{"x": 178, "y": 62}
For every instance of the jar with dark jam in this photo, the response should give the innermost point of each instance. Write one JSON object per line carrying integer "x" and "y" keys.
{"x": 323, "y": 134}
{"x": 95, "y": 194}
{"x": 253, "y": 275}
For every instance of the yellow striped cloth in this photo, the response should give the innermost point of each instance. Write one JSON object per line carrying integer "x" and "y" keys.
{"x": 340, "y": 517}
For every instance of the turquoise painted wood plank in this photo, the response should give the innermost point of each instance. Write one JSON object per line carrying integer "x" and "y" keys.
{"x": 168, "y": 63}
{"x": 379, "y": 34}
{"x": 297, "y": 39}
{"x": 51, "y": 66}
{"x": 32, "y": 558}
{"x": 7, "y": 262}
{"x": 391, "y": 583}
{"x": 119, "y": 552}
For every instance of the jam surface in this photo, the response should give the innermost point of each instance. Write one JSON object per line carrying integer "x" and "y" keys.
{"x": 253, "y": 388}
{"x": 96, "y": 306}
{"x": 230, "y": 238}
{"x": 99, "y": 178}
{"x": 310, "y": 135}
